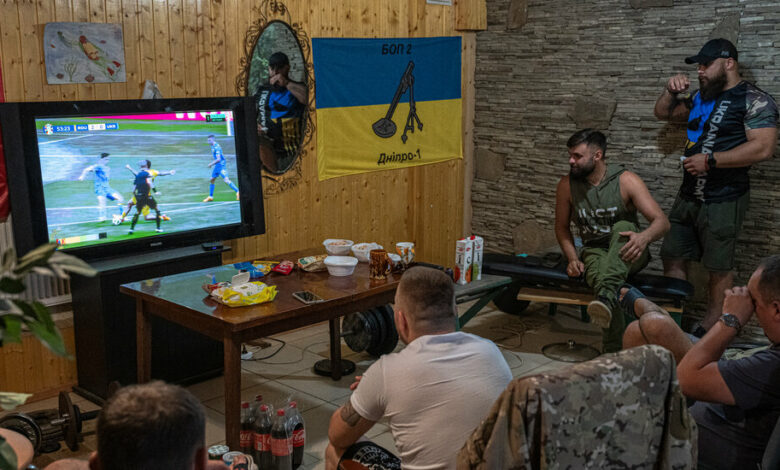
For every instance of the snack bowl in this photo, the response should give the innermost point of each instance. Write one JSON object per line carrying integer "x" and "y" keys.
{"x": 361, "y": 250}
{"x": 338, "y": 246}
{"x": 340, "y": 265}
{"x": 394, "y": 258}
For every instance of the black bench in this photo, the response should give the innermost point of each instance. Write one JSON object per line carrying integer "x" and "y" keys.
{"x": 544, "y": 279}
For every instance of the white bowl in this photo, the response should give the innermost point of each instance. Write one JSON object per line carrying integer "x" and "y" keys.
{"x": 337, "y": 246}
{"x": 361, "y": 250}
{"x": 394, "y": 258}
{"x": 340, "y": 265}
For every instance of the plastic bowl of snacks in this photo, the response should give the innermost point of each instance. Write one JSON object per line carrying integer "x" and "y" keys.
{"x": 337, "y": 246}
{"x": 362, "y": 250}
{"x": 394, "y": 258}
{"x": 341, "y": 265}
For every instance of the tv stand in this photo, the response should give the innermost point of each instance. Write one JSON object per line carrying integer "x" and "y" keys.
{"x": 104, "y": 324}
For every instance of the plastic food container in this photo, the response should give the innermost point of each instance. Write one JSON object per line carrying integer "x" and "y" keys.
{"x": 361, "y": 250}
{"x": 337, "y": 246}
{"x": 341, "y": 265}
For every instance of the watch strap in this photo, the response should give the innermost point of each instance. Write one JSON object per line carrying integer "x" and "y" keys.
{"x": 711, "y": 161}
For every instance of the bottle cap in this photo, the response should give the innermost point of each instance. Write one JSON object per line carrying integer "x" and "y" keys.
{"x": 245, "y": 404}
{"x": 293, "y": 404}
{"x": 258, "y": 397}
{"x": 263, "y": 407}
{"x": 280, "y": 412}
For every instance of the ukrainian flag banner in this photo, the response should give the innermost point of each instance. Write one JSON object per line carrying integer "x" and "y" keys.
{"x": 386, "y": 103}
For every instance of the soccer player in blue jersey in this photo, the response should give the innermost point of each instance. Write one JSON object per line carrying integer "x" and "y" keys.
{"x": 103, "y": 191}
{"x": 217, "y": 165}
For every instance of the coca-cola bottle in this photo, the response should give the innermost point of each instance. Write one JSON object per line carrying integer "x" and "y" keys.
{"x": 297, "y": 432}
{"x": 245, "y": 439}
{"x": 281, "y": 451}
{"x": 262, "y": 439}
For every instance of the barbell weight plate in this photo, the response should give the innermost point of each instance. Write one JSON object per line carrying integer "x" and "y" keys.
{"x": 24, "y": 425}
{"x": 358, "y": 337}
{"x": 391, "y": 338}
{"x": 379, "y": 337}
{"x": 69, "y": 428}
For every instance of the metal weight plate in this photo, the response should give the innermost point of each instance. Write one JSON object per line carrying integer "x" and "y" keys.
{"x": 355, "y": 329}
{"x": 391, "y": 338}
{"x": 24, "y": 425}
{"x": 379, "y": 338}
{"x": 70, "y": 427}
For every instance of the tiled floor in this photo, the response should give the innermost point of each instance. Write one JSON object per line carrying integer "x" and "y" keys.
{"x": 288, "y": 374}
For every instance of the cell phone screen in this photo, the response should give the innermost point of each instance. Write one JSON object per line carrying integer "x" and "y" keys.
{"x": 307, "y": 297}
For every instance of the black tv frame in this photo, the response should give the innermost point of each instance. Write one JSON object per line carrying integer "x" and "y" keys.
{"x": 23, "y": 169}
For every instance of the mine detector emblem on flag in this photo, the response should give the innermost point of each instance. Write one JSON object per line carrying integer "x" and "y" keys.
{"x": 386, "y": 103}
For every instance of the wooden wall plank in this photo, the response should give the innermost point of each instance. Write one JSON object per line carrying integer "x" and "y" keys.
{"x": 470, "y": 15}
{"x": 13, "y": 77}
{"x": 162, "y": 52}
{"x": 134, "y": 85}
{"x": 97, "y": 14}
{"x": 176, "y": 47}
{"x": 145, "y": 44}
{"x": 46, "y": 13}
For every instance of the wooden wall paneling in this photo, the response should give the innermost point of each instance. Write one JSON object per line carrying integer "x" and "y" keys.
{"x": 64, "y": 12}
{"x": 113, "y": 12}
{"x": 176, "y": 44}
{"x": 162, "y": 54}
{"x": 13, "y": 357}
{"x": 28, "y": 367}
{"x": 132, "y": 88}
{"x": 191, "y": 45}
{"x": 205, "y": 64}
{"x": 218, "y": 46}
{"x": 31, "y": 52}
{"x": 470, "y": 15}
{"x": 13, "y": 77}
{"x": 81, "y": 13}
{"x": 97, "y": 14}
{"x": 468, "y": 56}
{"x": 45, "y": 13}
{"x": 145, "y": 46}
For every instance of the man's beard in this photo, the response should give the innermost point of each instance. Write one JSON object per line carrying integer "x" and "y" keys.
{"x": 582, "y": 172}
{"x": 713, "y": 87}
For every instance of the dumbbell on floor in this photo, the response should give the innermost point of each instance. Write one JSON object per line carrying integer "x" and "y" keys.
{"x": 372, "y": 331}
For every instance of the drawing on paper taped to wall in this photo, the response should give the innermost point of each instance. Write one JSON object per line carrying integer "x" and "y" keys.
{"x": 84, "y": 53}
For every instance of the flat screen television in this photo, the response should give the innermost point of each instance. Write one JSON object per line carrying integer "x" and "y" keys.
{"x": 80, "y": 173}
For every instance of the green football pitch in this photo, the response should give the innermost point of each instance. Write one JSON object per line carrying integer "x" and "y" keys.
{"x": 72, "y": 206}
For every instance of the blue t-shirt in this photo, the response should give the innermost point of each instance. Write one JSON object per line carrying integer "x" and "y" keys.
{"x": 216, "y": 154}
{"x": 736, "y": 436}
{"x": 283, "y": 104}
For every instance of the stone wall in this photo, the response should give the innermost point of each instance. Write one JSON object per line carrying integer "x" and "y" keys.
{"x": 546, "y": 68}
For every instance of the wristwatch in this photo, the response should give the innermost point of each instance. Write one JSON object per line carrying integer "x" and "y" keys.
{"x": 711, "y": 161}
{"x": 732, "y": 321}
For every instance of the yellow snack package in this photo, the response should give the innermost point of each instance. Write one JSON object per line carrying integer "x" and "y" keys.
{"x": 249, "y": 293}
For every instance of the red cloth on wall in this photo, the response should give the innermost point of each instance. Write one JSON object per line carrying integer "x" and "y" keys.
{"x": 5, "y": 206}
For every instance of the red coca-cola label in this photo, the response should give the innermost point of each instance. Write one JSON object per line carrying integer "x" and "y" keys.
{"x": 245, "y": 438}
{"x": 262, "y": 442}
{"x": 299, "y": 435}
{"x": 280, "y": 447}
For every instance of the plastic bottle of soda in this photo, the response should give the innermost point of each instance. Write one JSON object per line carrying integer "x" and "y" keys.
{"x": 245, "y": 437}
{"x": 281, "y": 451}
{"x": 255, "y": 406}
{"x": 262, "y": 438}
{"x": 297, "y": 430}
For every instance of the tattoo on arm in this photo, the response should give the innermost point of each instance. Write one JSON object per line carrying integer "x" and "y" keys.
{"x": 349, "y": 415}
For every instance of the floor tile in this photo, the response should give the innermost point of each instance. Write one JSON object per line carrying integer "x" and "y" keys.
{"x": 215, "y": 387}
{"x": 289, "y": 360}
{"x": 317, "y": 420}
{"x": 321, "y": 387}
{"x": 274, "y": 393}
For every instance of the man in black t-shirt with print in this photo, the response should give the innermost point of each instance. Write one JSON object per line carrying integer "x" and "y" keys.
{"x": 731, "y": 125}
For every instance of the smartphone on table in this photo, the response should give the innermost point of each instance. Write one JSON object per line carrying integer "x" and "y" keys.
{"x": 307, "y": 297}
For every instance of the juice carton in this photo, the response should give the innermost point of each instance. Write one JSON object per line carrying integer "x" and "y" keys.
{"x": 464, "y": 251}
{"x": 476, "y": 265}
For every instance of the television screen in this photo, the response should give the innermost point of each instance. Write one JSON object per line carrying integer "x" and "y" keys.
{"x": 132, "y": 173}
{"x": 114, "y": 177}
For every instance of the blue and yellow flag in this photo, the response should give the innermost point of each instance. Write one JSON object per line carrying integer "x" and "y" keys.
{"x": 386, "y": 103}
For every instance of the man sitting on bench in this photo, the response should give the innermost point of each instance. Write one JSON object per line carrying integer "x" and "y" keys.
{"x": 739, "y": 399}
{"x": 602, "y": 201}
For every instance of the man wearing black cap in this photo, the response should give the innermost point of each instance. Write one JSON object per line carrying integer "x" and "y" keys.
{"x": 280, "y": 103}
{"x": 732, "y": 124}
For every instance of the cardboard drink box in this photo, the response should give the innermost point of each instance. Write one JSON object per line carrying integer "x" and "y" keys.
{"x": 464, "y": 257}
{"x": 476, "y": 265}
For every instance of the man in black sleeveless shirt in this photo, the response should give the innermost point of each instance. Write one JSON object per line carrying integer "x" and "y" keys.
{"x": 731, "y": 125}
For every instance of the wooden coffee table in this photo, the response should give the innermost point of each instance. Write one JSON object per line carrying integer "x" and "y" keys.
{"x": 180, "y": 298}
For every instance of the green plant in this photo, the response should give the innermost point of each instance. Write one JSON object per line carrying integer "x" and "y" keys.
{"x": 17, "y": 314}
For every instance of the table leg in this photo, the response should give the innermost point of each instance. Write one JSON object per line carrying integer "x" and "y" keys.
{"x": 143, "y": 346}
{"x": 335, "y": 348}
{"x": 232, "y": 392}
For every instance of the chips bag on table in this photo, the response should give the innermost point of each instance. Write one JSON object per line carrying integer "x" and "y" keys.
{"x": 249, "y": 293}
{"x": 285, "y": 267}
{"x": 313, "y": 263}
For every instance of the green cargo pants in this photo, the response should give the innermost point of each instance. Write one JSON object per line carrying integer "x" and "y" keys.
{"x": 605, "y": 272}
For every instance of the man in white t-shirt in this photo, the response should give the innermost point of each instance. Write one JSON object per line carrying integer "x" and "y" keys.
{"x": 433, "y": 393}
